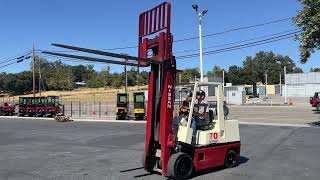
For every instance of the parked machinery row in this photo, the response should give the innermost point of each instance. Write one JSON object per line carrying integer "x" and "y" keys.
{"x": 122, "y": 109}
{"x": 39, "y": 106}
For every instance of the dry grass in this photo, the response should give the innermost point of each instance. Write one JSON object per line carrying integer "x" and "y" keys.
{"x": 84, "y": 94}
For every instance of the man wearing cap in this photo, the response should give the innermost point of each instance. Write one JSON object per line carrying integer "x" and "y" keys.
{"x": 200, "y": 114}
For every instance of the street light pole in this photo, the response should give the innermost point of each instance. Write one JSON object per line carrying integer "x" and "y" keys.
{"x": 285, "y": 84}
{"x": 200, "y": 41}
{"x": 200, "y": 15}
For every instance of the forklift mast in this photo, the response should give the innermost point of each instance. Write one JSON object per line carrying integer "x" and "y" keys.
{"x": 161, "y": 83}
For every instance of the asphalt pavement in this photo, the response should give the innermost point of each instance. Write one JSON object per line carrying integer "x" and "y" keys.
{"x": 43, "y": 149}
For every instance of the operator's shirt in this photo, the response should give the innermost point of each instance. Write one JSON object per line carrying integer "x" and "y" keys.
{"x": 201, "y": 107}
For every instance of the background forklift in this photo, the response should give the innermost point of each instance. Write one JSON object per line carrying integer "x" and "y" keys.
{"x": 7, "y": 109}
{"x": 53, "y": 106}
{"x": 40, "y": 106}
{"x": 31, "y": 106}
{"x": 22, "y": 106}
{"x": 122, "y": 106}
{"x": 315, "y": 101}
{"x": 138, "y": 105}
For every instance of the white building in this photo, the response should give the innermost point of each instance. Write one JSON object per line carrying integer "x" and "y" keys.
{"x": 302, "y": 84}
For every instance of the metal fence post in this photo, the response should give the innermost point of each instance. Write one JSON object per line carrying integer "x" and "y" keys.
{"x": 79, "y": 108}
{"x": 71, "y": 109}
{"x": 99, "y": 109}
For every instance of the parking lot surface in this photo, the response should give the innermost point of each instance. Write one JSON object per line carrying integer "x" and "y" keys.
{"x": 40, "y": 149}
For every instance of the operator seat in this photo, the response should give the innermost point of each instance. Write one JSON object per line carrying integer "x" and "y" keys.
{"x": 210, "y": 123}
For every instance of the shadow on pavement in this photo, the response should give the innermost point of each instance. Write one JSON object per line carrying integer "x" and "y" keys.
{"x": 241, "y": 160}
{"x": 316, "y": 124}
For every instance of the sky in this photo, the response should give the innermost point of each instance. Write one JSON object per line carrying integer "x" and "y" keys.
{"x": 101, "y": 24}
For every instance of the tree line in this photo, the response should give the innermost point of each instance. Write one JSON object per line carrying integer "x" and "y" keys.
{"x": 253, "y": 70}
{"x": 57, "y": 75}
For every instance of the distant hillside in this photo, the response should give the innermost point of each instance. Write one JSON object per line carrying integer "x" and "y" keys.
{"x": 83, "y": 94}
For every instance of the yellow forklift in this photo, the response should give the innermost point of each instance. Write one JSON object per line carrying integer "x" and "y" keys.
{"x": 138, "y": 105}
{"x": 122, "y": 106}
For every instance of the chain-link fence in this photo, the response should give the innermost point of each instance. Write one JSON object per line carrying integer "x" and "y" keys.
{"x": 97, "y": 109}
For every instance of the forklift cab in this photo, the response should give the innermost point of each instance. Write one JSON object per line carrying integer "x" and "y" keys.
{"x": 52, "y": 106}
{"x": 31, "y": 106}
{"x": 22, "y": 106}
{"x": 139, "y": 108}
{"x": 122, "y": 105}
{"x": 40, "y": 106}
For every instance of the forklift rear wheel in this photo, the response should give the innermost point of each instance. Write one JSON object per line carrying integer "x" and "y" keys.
{"x": 231, "y": 160}
{"x": 180, "y": 166}
{"x": 318, "y": 107}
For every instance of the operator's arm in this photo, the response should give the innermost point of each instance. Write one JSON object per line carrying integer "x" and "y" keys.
{"x": 202, "y": 115}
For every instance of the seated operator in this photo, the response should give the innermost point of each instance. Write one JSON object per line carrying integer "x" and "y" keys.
{"x": 200, "y": 114}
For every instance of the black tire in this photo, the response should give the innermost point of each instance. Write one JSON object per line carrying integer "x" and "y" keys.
{"x": 180, "y": 166}
{"x": 318, "y": 107}
{"x": 231, "y": 159}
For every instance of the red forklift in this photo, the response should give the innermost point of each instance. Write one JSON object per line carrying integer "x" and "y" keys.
{"x": 170, "y": 150}
{"x": 7, "y": 109}
{"x": 22, "y": 106}
{"x": 315, "y": 101}
{"x": 31, "y": 106}
{"x": 53, "y": 106}
{"x": 40, "y": 106}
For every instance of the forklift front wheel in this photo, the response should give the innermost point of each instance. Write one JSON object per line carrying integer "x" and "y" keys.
{"x": 231, "y": 160}
{"x": 318, "y": 107}
{"x": 180, "y": 166}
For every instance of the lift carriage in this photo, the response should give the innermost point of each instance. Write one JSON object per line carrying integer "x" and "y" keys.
{"x": 167, "y": 150}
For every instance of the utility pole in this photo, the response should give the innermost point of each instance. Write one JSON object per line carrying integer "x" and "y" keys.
{"x": 266, "y": 83}
{"x": 138, "y": 75}
{"x": 200, "y": 15}
{"x": 222, "y": 78}
{"x": 126, "y": 74}
{"x": 285, "y": 85}
{"x": 39, "y": 77}
{"x": 33, "y": 73}
{"x": 280, "y": 84}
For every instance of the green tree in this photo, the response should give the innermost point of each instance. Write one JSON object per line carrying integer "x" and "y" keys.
{"x": 255, "y": 68}
{"x": 308, "y": 19}
{"x": 189, "y": 74}
{"x": 215, "y": 72}
{"x": 315, "y": 70}
{"x": 235, "y": 75}
{"x": 95, "y": 82}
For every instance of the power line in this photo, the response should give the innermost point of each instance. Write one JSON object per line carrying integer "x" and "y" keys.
{"x": 242, "y": 46}
{"x": 237, "y": 42}
{"x": 235, "y": 29}
{"x": 8, "y": 64}
{"x": 17, "y": 57}
{"x": 204, "y": 36}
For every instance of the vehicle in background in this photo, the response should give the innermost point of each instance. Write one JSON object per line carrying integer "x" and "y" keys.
{"x": 315, "y": 100}
{"x": 7, "y": 109}
{"x": 122, "y": 106}
{"x": 40, "y": 106}
{"x": 22, "y": 110}
{"x": 138, "y": 103}
{"x": 31, "y": 106}
{"x": 53, "y": 106}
